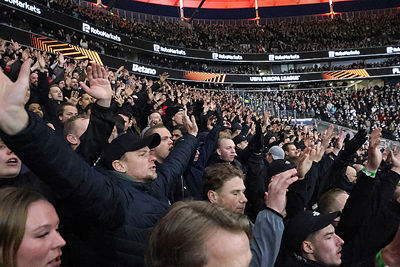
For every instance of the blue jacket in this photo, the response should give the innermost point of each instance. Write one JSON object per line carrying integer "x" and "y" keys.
{"x": 117, "y": 213}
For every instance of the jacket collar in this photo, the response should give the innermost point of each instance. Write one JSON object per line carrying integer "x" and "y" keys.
{"x": 306, "y": 262}
{"x": 138, "y": 185}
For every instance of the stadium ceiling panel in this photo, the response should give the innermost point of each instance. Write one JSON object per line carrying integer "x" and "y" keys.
{"x": 230, "y": 4}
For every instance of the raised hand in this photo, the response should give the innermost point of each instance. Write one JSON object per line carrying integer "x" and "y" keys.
{"x": 210, "y": 122}
{"x": 351, "y": 146}
{"x": 395, "y": 160}
{"x": 317, "y": 152}
{"x": 385, "y": 153}
{"x": 339, "y": 144}
{"x": 100, "y": 87}
{"x": 42, "y": 62}
{"x": 163, "y": 77}
{"x": 120, "y": 69}
{"x": 276, "y": 197}
{"x": 150, "y": 94}
{"x": 74, "y": 99}
{"x": 305, "y": 161}
{"x": 190, "y": 124}
{"x": 70, "y": 68}
{"x": 119, "y": 99}
{"x": 326, "y": 137}
{"x": 15, "y": 45}
{"x": 374, "y": 152}
{"x": 13, "y": 117}
{"x": 131, "y": 100}
{"x": 25, "y": 55}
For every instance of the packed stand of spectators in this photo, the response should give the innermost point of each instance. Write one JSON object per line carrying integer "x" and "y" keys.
{"x": 110, "y": 152}
{"x": 393, "y": 61}
{"x": 79, "y": 39}
{"x": 10, "y": 17}
{"x": 365, "y": 108}
{"x": 369, "y": 30}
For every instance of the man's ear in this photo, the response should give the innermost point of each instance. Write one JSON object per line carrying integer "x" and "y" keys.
{"x": 118, "y": 166}
{"x": 307, "y": 247}
{"x": 72, "y": 139}
{"x": 212, "y": 196}
{"x": 219, "y": 151}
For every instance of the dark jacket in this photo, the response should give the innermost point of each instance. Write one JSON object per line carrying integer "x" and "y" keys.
{"x": 295, "y": 260}
{"x": 29, "y": 181}
{"x": 256, "y": 185}
{"x": 96, "y": 135}
{"x": 193, "y": 177}
{"x": 50, "y": 105}
{"x": 214, "y": 159}
{"x": 78, "y": 253}
{"x": 118, "y": 213}
{"x": 370, "y": 218}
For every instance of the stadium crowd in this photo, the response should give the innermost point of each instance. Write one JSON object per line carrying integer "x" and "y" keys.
{"x": 79, "y": 39}
{"x": 365, "y": 108}
{"x": 370, "y": 34}
{"x": 368, "y": 30}
{"x": 393, "y": 61}
{"x": 109, "y": 152}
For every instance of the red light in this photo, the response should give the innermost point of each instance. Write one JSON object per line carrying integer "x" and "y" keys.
{"x": 232, "y": 4}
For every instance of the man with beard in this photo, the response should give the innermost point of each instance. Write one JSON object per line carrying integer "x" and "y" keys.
{"x": 291, "y": 152}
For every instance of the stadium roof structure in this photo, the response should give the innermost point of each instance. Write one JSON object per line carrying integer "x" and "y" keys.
{"x": 245, "y": 9}
{"x": 232, "y": 4}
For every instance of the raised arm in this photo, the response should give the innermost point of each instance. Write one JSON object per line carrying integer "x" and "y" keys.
{"x": 101, "y": 122}
{"x": 51, "y": 159}
{"x": 13, "y": 117}
{"x": 178, "y": 160}
{"x": 268, "y": 228}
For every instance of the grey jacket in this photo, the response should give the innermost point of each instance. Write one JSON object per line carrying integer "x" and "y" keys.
{"x": 267, "y": 236}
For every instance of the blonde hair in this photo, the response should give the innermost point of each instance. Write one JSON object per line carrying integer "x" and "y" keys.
{"x": 14, "y": 205}
{"x": 178, "y": 238}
